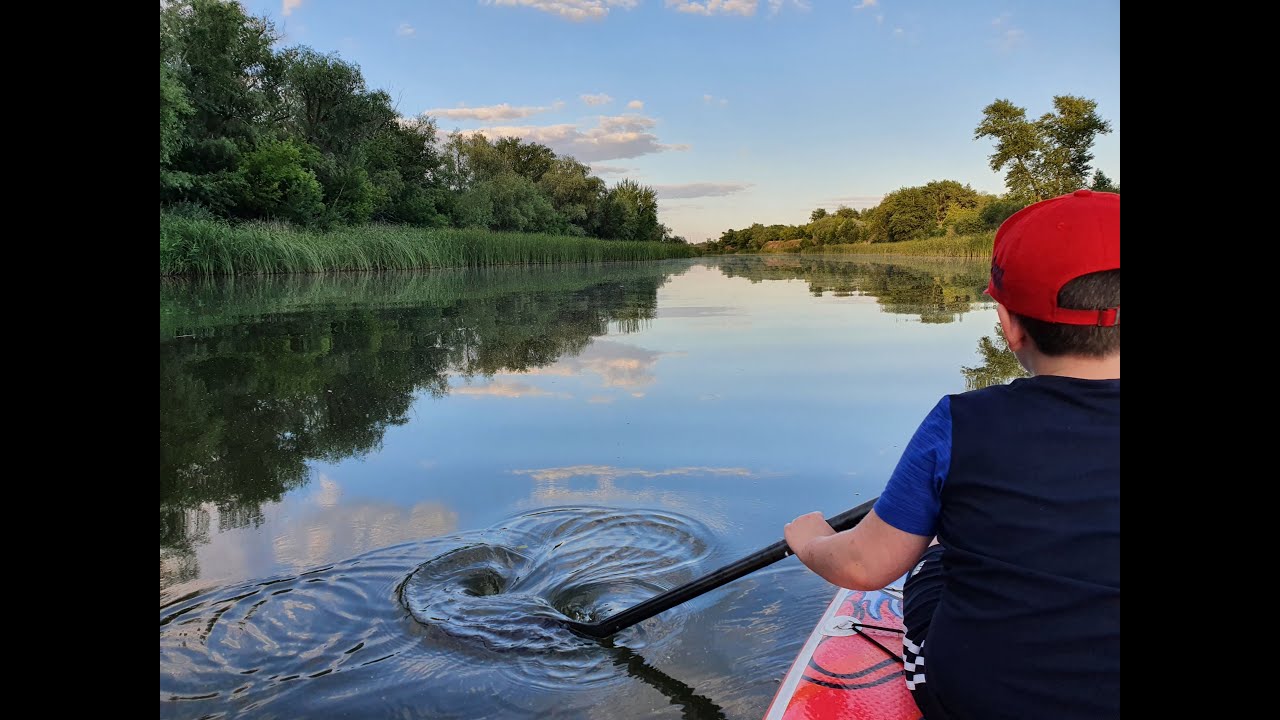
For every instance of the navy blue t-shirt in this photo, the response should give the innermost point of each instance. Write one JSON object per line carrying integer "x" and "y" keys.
{"x": 1021, "y": 484}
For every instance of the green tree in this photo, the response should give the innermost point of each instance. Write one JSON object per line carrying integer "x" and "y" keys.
{"x": 630, "y": 212}
{"x": 949, "y": 194}
{"x": 278, "y": 185}
{"x": 1102, "y": 183}
{"x": 905, "y": 214}
{"x": 1046, "y": 157}
{"x": 573, "y": 190}
{"x": 817, "y": 214}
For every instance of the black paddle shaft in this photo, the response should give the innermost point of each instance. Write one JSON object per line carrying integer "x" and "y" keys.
{"x": 707, "y": 583}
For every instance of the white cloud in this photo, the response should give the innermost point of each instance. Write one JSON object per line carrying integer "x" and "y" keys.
{"x": 289, "y": 6}
{"x": 713, "y": 100}
{"x": 899, "y": 32}
{"x": 489, "y": 113}
{"x": 599, "y": 99}
{"x": 636, "y": 105}
{"x": 880, "y": 19}
{"x": 406, "y": 30}
{"x": 609, "y": 170}
{"x": 745, "y": 8}
{"x": 866, "y": 4}
{"x": 575, "y": 10}
{"x": 613, "y": 138}
{"x": 699, "y": 189}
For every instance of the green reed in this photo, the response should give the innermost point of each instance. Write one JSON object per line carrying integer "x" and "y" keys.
{"x": 201, "y": 246}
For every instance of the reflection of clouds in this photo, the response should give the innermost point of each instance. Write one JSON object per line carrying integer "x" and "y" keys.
{"x": 611, "y": 472}
{"x": 618, "y": 364}
{"x": 506, "y": 389}
{"x": 694, "y": 311}
{"x": 328, "y": 494}
{"x": 551, "y": 488}
{"x": 302, "y": 532}
{"x": 341, "y": 531}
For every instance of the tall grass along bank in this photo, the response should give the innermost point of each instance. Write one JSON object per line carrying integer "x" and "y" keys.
{"x": 957, "y": 246}
{"x": 202, "y": 246}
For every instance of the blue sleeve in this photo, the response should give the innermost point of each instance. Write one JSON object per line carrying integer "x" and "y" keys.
{"x": 912, "y": 500}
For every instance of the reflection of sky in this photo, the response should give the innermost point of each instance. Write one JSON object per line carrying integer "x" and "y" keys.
{"x": 811, "y": 399}
{"x": 317, "y": 524}
{"x": 604, "y": 371}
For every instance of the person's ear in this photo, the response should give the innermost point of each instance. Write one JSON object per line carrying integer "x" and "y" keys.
{"x": 1014, "y": 332}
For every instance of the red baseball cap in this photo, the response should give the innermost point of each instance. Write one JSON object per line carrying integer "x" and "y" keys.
{"x": 1044, "y": 246}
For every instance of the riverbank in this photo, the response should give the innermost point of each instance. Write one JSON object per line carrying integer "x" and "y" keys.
{"x": 200, "y": 246}
{"x": 955, "y": 246}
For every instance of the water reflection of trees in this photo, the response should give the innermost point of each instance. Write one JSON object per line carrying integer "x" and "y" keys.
{"x": 999, "y": 364}
{"x": 938, "y": 291}
{"x": 260, "y": 377}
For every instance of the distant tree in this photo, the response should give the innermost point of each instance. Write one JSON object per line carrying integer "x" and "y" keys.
{"x": 573, "y": 190}
{"x": 1046, "y": 157}
{"x": 949, "y": 194}
{"x": 527, "y": 159}
{"x": 905, "y": 214}
{"x": 998, "y": 211}
{"x": 1102, "y": 183}
{"x": 817, "y": 214}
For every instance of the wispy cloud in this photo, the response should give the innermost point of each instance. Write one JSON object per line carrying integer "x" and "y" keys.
{"x": 698, "y": 189}
{"x": 609, "y": 169}
{"x": 746, "y": 8}
{"x": 713, "y": 100}
{"x": 598, "y": 99}
{"x": 287, "y": 8}
{"x": 899, "y": 32}
{"x": 613, "y": 138}
{"x": 575, "y": 10}
{"x": 406, "y": 30}
{"x": 636, "y": 105}
{"x": 1008, "y": 37}
{"x": 866, "y": 4}
{"x": 489, "y": 113}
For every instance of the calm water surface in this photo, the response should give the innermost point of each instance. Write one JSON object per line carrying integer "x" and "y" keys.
{"x": 380, "y": 495}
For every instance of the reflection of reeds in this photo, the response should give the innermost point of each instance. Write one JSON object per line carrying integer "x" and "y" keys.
{"x": 197, "y": 305}
{"x": 966, "y": 246}
{"x": 199, "y": 246}
{"x": 938, "y": 290}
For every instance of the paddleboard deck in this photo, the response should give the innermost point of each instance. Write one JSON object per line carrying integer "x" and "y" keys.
{"x": 847, "y": 670}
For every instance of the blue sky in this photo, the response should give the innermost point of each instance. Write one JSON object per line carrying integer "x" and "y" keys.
{"x": 736, "y": 111}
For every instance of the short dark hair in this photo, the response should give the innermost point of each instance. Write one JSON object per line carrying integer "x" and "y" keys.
{"x": 1095, "y": 291}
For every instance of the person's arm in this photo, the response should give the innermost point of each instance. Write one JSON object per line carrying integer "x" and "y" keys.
{"x": 891, "y": 538}
{"x": 866, "y": 557}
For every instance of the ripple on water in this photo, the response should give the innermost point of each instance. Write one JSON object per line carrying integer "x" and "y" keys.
{"x": 483, "y": 616}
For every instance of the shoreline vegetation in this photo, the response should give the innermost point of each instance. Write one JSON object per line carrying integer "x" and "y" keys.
{"x": 279, "y": 159}
{"x": 210, "y": 246}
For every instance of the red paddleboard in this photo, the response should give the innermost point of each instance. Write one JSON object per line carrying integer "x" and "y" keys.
{"x": 848, "y": 670}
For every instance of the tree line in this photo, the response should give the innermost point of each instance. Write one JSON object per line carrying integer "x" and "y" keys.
{"x": 252, "y": 132}
{"x": 1041, "y": 158}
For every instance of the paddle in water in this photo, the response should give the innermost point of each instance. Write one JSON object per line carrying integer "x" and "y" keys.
{"x": 709, "y": 582}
